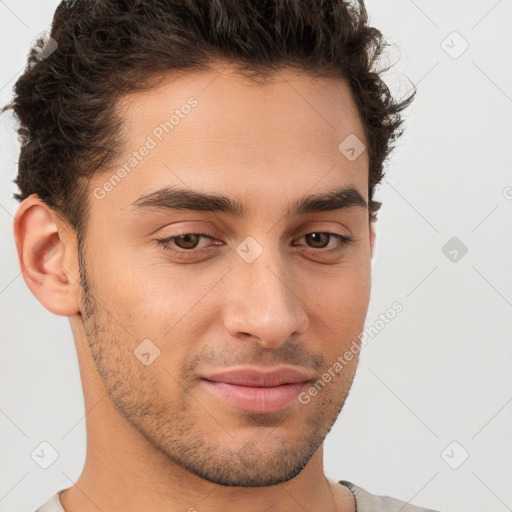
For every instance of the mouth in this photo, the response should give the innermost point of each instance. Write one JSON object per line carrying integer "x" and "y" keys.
{"x": 255, "y": 390}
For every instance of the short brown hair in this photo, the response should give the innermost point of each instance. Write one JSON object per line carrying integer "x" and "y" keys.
{"x": 106, "y": 48}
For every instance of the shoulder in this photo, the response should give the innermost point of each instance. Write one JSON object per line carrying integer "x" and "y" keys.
{"x": 53, "y": 504}
{"x": 368, "y": 502}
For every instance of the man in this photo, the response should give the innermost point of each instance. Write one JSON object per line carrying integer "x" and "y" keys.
{"x": 197, "y": 185}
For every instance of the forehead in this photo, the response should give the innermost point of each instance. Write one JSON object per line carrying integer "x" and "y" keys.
{"x": 230, "y": 105}
{"x": 218, "y": 130}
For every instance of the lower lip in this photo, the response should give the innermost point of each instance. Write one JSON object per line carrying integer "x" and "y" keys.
{"x": 257, "y": 399}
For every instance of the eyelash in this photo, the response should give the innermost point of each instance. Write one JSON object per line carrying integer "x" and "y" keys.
{"x": 166, "y": 244}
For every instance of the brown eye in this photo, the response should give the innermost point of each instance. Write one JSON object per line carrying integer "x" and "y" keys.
{"x": 186, "y": 245}
{"x": 188, "y": 241}
{"x": 318, "y": 240}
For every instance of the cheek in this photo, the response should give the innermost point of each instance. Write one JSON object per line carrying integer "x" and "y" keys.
{"x": 160, "y": 302}
{"x": 340, "y": 294}
{"x": 337, "y": 311}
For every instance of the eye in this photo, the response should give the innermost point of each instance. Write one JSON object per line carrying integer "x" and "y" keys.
{"x": 319, "y": 238}
{"x": 185, "y": 245}
{"x": 188, "y": 240}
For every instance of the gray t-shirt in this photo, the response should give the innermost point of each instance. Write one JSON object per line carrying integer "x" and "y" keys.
{"x": 365, "y": 502}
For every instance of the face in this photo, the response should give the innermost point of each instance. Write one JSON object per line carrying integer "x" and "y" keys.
{"x": 178, "y": 288}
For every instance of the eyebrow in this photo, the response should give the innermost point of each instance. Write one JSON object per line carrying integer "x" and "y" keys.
{"x": 173, "y": 198}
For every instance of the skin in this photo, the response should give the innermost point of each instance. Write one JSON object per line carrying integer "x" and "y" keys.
{"x": 154, "y": 434}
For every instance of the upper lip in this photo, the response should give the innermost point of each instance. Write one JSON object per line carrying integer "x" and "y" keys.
{"x": 257, "y": 377}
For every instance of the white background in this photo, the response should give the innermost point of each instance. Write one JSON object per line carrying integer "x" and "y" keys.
{"x": 439, "y": 372}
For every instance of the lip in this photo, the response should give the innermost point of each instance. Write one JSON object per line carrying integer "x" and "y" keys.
{"x": 252, "y": 376}
{"x": 256, "y": 390}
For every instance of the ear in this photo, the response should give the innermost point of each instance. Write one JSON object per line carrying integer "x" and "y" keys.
{"x": 47, "y": 254}
{"x": 373, "y": 234}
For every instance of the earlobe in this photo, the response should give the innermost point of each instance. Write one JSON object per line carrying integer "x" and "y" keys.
{"x": 47, "y": 255}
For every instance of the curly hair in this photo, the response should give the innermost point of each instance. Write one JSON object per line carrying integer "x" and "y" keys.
{"x": 99, "y": 50}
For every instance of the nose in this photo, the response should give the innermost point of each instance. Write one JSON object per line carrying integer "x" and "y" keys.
{"x": 263, "y": 302}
